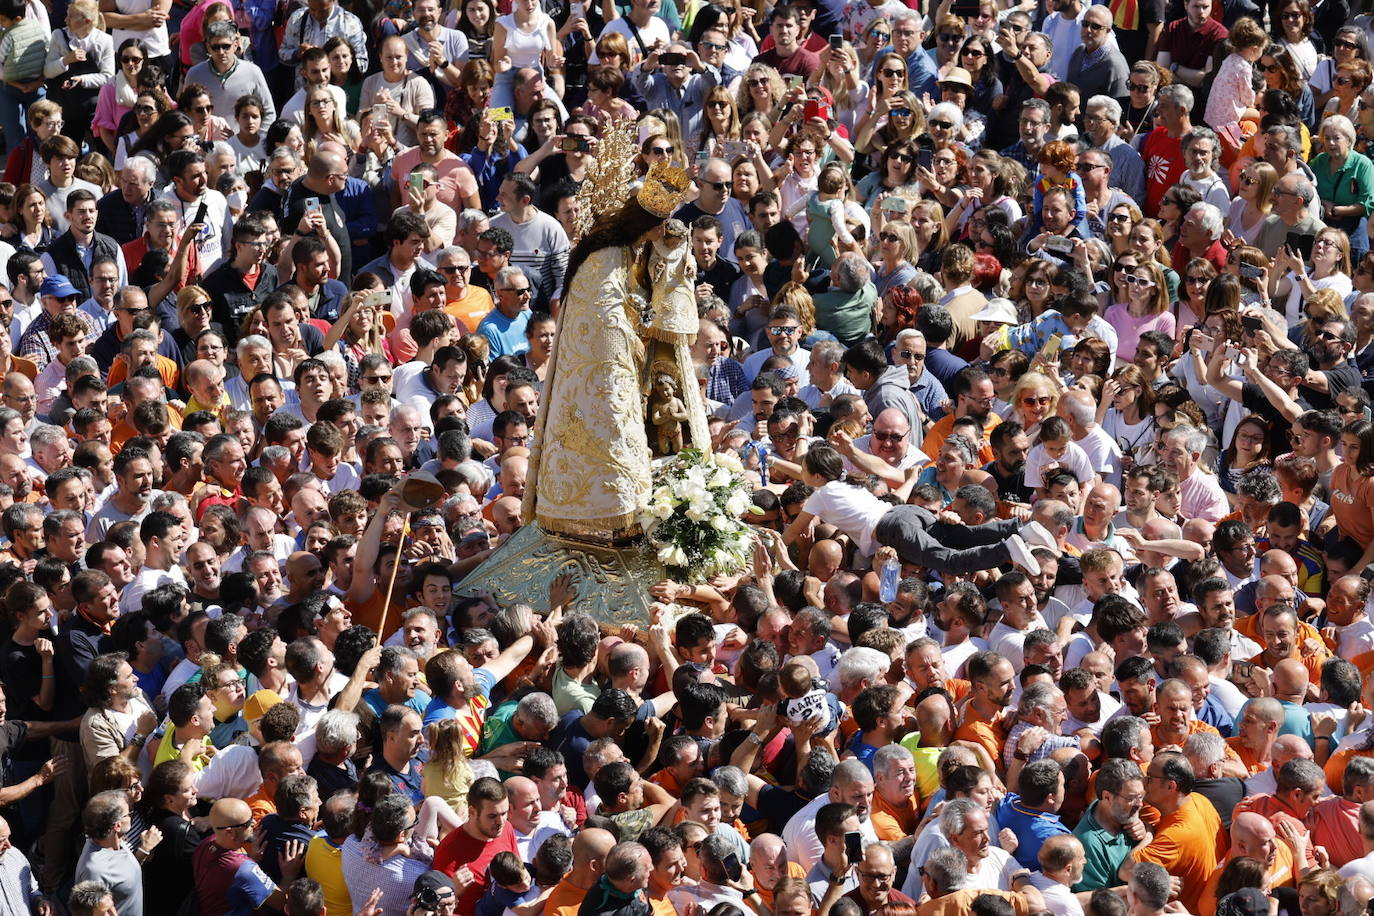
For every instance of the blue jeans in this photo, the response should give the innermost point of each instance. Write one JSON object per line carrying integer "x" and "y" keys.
{"x": 13, "y": 105}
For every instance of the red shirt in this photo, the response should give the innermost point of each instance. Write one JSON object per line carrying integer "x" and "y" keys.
{"x": 1191, "y": 48}
{"x": 1164, "y": 166}
{"x": 459, "y": 848}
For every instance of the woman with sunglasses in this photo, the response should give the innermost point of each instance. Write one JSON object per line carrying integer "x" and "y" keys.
{"x": 761, "y": 89}
{"x": 1280, "y": 73}
{"x": 838, "y": 75}
{"x": 1350, "y": 44}
{"x": 1191, "y": 300}
{"x": 1033, "y": 397}
{"x": 719, "y": 125}
{"x": 894, "y": 257}
{"x": 896, "y": 172}
{"x": 888, "y": 92}
{"x": 1005, "y": 369}
{"x": 1347, "y": 87}
{"x": 193, "y": 309}
{"x": 1172, "y": 207}
{"x": 1295, "y": 32}
{"x": 1118, "y": 223}
{"x": 1253, "y": 201}
{"x": 976, "y": 56}
{"x": 1126, "y": 412}
{"x": 1030, "y": 288}
{"x": 1291, "y": 282}
{"x": 1118, "y": 293}
{"x": 1146, "y": 308}
{"x": 117, "y": 96}
{"x": 1138, "y": 115}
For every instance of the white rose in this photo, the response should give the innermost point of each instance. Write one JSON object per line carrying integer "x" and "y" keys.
{"x": 729, "y": 461}
{"x": 678, "y": 557}
{"x": 737, "y": 504}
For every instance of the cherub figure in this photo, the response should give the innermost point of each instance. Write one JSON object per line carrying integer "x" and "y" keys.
{"x": 667, "y": 413}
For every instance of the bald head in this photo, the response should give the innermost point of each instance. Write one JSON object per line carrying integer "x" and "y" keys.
{"x": 825, "y": 558}
{"x": 1273, "y": 588}
{"x": 520, "y": 787}
{"x": 1279, "y": 563}
{"x": 228, "y": 817}
{"x": 1161, "y": 529}
{"x": 589, "y": 848}
{"x": 1290, "y": 679}
{"x": 767, "y": 845}
{"x": 1289, "y": 747}
{"x": 326, "y": 162}
{"x": 1253, "y": 836}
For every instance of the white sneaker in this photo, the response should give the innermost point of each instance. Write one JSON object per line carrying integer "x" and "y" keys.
{"x": 1037, "y": 535}
{"x": 1021, "y": 555}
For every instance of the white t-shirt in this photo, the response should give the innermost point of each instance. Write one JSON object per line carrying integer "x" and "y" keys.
{"x": 853, "y": 510}
{"x": 1074, "y": 459}
{"x": 1059, "y": 900}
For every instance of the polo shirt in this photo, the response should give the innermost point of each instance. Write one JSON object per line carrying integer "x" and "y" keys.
{"x": 1105, "y": 852}
{"x": 409, "y": 783}
{"x": 1032, "y": 828}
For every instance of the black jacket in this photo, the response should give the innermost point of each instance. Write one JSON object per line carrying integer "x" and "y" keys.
{"x": 117, "y": 219}
{"x": 69, "y": 262}
{"x": 233, "y": 299}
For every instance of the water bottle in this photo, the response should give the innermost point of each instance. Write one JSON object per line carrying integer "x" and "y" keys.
{"x": 887, "y": 582}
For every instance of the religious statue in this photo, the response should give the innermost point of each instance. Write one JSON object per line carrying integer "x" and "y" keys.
{"x": 667, "y": 413}
{"x": 628, "y": 316}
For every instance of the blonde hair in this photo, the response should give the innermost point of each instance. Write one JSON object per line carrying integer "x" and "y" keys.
{"x": 89, "y": 10}
{"x": 447, "y": 757}
{"x": 1031, "y": 380}
{"x": 1161, "y": 299}
{"x": 795, "y": 295}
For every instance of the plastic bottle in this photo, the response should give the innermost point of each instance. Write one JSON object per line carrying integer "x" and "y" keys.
{"x": 887, "y": 582}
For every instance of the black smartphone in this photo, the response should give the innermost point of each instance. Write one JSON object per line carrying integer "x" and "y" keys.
{"x": 1250, "y": 271}
{"x": 854, "y": 847}
{"x": 200, "y": 214}
{"x": 965, "y": 9}
{"x": 733, "y": 869}
{"x": 672, "y": 59}
{"x": 836, "y": 42}
{"x": 1301, "y": 242}
{"x": 925, "y": 157}
{"x": 1251, "y": 323}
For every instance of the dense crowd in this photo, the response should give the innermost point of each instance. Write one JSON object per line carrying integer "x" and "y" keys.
{"x": 1054, "y": 404}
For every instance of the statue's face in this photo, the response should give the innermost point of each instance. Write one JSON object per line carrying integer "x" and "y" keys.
{"x": 664, "y": 387}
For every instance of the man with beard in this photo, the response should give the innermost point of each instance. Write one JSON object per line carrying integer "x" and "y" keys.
{"x": 1010, "y": 445}
{"x": 133, "y": 470}
{"x": 889, "y": 452}
{"x": 224, "y": 872}
{"x": 224, "y": 468}
{"x": 850, "y": 783}
{"x": 1111, "y": 827}
{"x": 463, "y": 692}
{"x": 974, "y": 397}
{"x": 1332, "y": 343}
{"x": 994, "y": 682}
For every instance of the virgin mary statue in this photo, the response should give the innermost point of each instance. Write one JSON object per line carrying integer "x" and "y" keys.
{"x": 628, "y": 305}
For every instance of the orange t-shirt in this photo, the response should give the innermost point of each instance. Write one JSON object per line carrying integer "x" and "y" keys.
{"x": 1281, "y": 875}
{"x": 475, "y": 305}
{"x": 1335, "y": 767}
{"x": 980, "y": 731}
{"x": 564, "y": 900}
{"x": 892, "y": 823}
{"x": 1276, "y": 812}
{"x": 935, "y": 437}
{"x": 1195, "y": 726}
{"x": 1246, "y": 756}
{"x": 261, "y": 805}
{"x": 1187, "y": 844}
{"x": 1249, "y": 627}
{"x": 794, "y": 870}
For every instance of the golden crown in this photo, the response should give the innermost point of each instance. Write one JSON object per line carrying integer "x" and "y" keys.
{"x": 665, "y": 188}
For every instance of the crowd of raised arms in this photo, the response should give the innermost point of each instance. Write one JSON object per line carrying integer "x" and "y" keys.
{"x": 1055, "y": 405}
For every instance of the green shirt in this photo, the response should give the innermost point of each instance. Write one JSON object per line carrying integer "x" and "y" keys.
{"x": 1353, "y": 184}
{"x": 569, "y": 694}
{"x": 498, "y": 730}
{"x": 1105, "y": 852}
{"x": 849, "y": 316}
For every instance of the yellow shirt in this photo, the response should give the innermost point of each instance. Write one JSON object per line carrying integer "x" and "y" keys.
{"x": 324, "y": 865}
{"x": 169, "y": 750}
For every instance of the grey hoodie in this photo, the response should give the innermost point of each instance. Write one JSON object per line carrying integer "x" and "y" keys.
{"x": 892, "y": 389}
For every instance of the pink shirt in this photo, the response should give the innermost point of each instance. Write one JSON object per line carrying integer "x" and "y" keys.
{"x": 1129, "y": 328}
{"x": 108, "y": 112}
{"x": 1201, "y": 496}
{"x": 456, "y": 181}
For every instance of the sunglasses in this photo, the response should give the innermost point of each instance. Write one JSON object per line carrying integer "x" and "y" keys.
{"x": 1248, "y": 179}
{"x": 972, "y": 52}
{"x": 1094, "y": 26}
{"x": 1343, "y": 81}
{"x": 950, "y": 37}
{"x": 901, "y": 112}
{"x": 901, "y": 157}
{"x": 889, "y": 437}
{"x": 721, "y": 186}
{"x": 759, "y": 82}
{"x": 713, "y": 46}
{"x": 131, "y": 59}
{"x": 1119, "y": 218}
{"x": 1133, "y": 280}
{"x": 890, "y": 71}
{"x": 718, "y": 103}
{"x": 220, "y": 46}
{"x": 1344, "y": 43}
{"x": 1268, "y": 68}
{"x": 661, "y": 150}
{"x": 783, "y": 332}
{"x": 911, "y": 354}
{"x": 942, "y": 125}
{"x": 888, "y": 237}
{"x": 1032, "y": 401}
{"x": 1139, "y": 87}
{"x": 1195, "y": 279}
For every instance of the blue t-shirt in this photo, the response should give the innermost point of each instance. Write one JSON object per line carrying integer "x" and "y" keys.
{"x": 249, "y": 890}
{"x": 1031, "y": 827}
{"x": 419, "y": 702}
{"x": 506, "y": 336}
{"x": 438, "y": 709}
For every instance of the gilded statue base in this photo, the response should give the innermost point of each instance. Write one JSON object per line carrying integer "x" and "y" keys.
{"x": 612, "y": 581}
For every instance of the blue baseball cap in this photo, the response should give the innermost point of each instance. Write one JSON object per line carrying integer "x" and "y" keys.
{"x": 59, "y": 286}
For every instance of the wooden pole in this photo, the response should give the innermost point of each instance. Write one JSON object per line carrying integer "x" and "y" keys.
{"x": 395, "y": 567}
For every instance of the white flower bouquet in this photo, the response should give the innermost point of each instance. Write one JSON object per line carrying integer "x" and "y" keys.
{"x": 694, "y": 515}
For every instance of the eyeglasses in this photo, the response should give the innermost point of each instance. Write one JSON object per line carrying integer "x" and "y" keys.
{"x": 1268, "y": 68}
{"x": 199, "y": 308}
{"x": 758, "y": 82}
{"x": 712, "y": 46}
{"x": 376, "y": 378}
{"x": 145, "y": 109}
{"x": 458, "y": 269}
{"x": 942, "y": 125}
{"x": 660, "y": 150}
{"x": 717, "y": 103}
{"x": 1119, "y": 218}
{"x": 1133, "y": 280}
{"x": 244, "y": 825}
{"x": 972, "y": 52}
{"x": 877, "y": 875}
{"x": 901, "y": 112}
{"x": 1087, "y": 166}
{"x": 902, "y": 157}
{"x": 889, "y": 437}
{"x": 1291, "y": 16}
{"x": 891, "y": 71}
{"x": 1328, "y": 335}
{"x": 950, "y": 37}
{"x": 803, "y": 151}
{"x": 788, "y": 331}
{"x": 1346, "y": 44}
{"x": 719, "y": 186}
{"x": 1032, "y": 401}
{"x": 1196, "y": 279}
{"x": 911, "y": 355}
